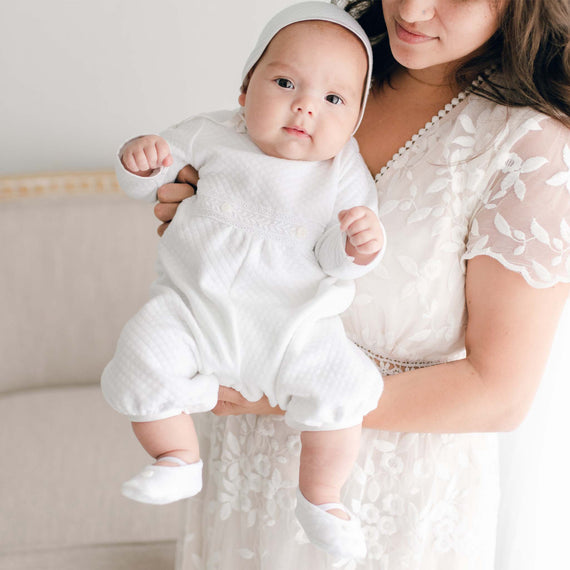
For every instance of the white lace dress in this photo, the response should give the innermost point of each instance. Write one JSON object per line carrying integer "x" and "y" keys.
{"x": 478, "y": 180}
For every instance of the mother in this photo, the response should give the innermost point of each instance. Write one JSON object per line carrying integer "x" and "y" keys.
{"x": 467, "y": 132}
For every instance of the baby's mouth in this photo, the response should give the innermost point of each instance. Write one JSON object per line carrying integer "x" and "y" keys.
{"x": 297, "y": 131}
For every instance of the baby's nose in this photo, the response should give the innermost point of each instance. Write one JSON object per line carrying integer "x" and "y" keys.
{"x": 304, "y": 104}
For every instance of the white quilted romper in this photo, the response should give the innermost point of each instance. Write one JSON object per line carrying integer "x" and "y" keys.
{"x": 252, "y": 275}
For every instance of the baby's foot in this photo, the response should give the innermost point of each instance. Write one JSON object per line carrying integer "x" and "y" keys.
{"x": 170, "y": 479}
{"x": 341, "y": 536}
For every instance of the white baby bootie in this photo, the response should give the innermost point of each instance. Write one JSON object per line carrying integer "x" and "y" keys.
{"x": 340, "y": 538}
{"x": 163, "y": 484}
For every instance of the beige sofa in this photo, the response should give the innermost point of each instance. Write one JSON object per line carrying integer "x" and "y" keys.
{"x": 76, "y": 260}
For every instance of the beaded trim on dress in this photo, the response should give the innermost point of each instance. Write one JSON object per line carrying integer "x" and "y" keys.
{"x": 430, "y": 124}
{"x": 390, "y": 366}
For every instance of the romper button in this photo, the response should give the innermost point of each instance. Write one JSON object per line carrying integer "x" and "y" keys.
{"x": 301, "y": 232}
{"x": 226, "y": 208}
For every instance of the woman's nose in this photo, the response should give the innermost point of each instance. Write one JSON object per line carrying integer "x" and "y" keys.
{"x": 417, "y": 10}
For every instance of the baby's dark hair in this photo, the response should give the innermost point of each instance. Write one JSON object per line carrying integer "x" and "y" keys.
{"x": 246, "y": 80}
{"x": 531, "y": 50}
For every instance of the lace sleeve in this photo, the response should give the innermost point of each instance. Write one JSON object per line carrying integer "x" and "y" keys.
{"x": 524, "y": 223}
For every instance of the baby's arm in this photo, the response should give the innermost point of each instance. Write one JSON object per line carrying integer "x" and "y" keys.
{"x": 143, "y": 155}
{"x": 353, "y": 242}
{"x": 146, "y": 163}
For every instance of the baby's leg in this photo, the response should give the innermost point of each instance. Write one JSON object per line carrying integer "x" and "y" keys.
{"x": 327, "y": 458}
{"x": 327, "y": 383}
{"x": 177, "y": 473}
{"x": 172, "y": 437}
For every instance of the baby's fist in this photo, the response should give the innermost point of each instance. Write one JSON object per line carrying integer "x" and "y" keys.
{"x": 144, "y": 154}
{"x": 364, "y": 233}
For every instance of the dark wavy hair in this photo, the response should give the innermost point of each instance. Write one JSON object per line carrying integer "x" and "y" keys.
{"x": 531, "y": 51}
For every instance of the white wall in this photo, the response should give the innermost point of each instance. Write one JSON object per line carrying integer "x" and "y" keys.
{"x": 78, "y": 77}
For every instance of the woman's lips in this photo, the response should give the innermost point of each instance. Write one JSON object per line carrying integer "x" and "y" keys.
{"x": 411, "y": 37}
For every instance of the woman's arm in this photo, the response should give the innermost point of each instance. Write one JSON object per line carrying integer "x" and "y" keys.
{"x": 509, "y": 333}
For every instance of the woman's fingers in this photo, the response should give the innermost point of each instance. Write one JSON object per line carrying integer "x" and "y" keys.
{"x": 184, "y": 187}
{"x": 170, "y": 195}
{"x": 162, "y": 228}
{"x": 174, "y": 193}
{"x": 230, "y": 402}
{"x": 231, "y": 396}
{"x": 188, "y": 175}
{"x": 165, "y": 211}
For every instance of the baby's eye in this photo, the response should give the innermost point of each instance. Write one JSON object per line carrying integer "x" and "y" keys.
{"x": 334, "y": 99}
{"x": 285, "y": 83}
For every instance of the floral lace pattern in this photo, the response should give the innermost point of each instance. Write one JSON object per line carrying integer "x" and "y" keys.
{"x": 482, "y": 180}
{"x": 513, "y": 225}
{"x": 423, "y": 500}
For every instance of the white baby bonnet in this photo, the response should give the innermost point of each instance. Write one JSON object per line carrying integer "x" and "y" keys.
{"x": 303, "y": 12}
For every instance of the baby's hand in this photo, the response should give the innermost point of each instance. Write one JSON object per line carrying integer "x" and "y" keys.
{"x": 364, "y": 233}
{"x": 144, "y": 154}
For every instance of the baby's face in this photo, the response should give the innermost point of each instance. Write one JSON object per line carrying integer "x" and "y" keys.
{"x": 303, "y": 99}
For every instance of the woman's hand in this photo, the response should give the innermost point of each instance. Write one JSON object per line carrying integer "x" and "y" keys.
{"x": 170, "y": 196}
{"x": 232, "y": 403}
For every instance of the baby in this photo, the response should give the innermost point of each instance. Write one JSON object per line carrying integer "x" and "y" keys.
{"x": 255, "y": 269}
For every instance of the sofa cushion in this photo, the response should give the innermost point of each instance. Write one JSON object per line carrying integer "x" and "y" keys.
{"x": 64, "y": 455}
{"x": 77, "y": 260}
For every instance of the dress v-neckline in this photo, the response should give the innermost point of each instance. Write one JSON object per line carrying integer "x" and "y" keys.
{"x": 427, "y": 127}
{"x": 444, "y": 111}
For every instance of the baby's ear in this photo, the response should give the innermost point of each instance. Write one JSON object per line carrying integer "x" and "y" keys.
{"x": 245, "y": 85}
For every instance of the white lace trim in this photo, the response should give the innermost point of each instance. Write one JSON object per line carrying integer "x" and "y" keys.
{"x": 548, "y": 279}
{"x": 429, "y": 125}
{"x": 300, "y": 232}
